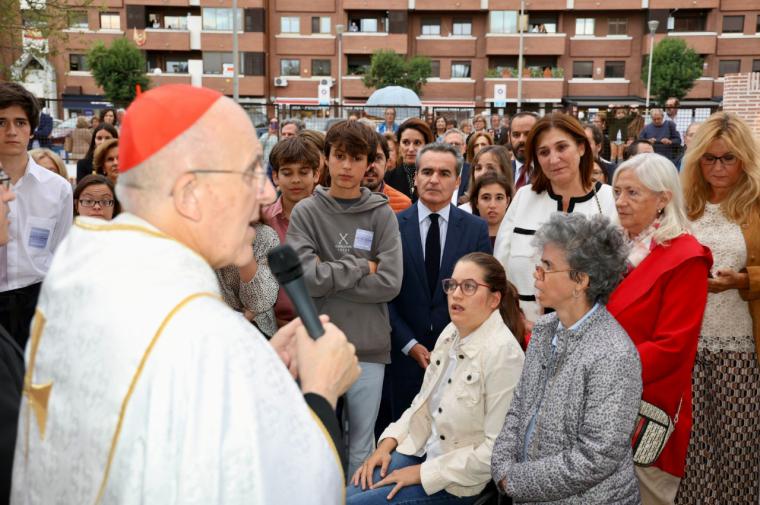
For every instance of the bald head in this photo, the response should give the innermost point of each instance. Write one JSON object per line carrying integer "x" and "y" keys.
{"x": 200, "y": 187}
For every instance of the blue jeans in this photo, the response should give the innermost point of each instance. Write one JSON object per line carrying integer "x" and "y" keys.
{"x": 408, "y": 495}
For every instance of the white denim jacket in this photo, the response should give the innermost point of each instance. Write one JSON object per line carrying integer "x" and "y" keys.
{"x": 472, "y": 409}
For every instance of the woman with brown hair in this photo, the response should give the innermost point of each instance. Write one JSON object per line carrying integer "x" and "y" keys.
{"x": 490, "y": 159}
{"x": 475, "y": 143}
{"x": 721, "y": 180}
{"x": 106, "y": 159}
{"x": 95, "y": 196}
{"x": 491, "y": 195}
{"x": 563, "y": 162}
{"x": 439, "y": 450}
{"x": 392, "y": 140}
{"x": 413, "y": 134}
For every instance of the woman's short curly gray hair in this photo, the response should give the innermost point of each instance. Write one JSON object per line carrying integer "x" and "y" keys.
{"x": 592, "y": 245}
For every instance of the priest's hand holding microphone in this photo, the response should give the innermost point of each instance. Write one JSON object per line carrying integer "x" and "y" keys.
{"x": 315, "y": 351}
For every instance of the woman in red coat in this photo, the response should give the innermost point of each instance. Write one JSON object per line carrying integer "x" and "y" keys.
{"x": 660, "y": 304}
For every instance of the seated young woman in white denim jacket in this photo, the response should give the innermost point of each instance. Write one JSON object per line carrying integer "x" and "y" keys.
{"x": 440, "y": 449}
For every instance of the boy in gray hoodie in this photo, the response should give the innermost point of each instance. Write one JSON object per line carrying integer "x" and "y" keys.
{"x": 348, "y": 241}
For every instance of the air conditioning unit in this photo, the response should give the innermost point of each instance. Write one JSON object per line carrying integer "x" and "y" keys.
{"x": 327, "y": 81}
{"x": 280, "y": 82}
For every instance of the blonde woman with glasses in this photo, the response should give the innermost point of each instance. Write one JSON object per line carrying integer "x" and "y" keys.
{"x": 721, "y": 179}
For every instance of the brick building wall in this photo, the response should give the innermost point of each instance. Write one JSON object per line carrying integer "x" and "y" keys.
{"x": 741, "y": 95}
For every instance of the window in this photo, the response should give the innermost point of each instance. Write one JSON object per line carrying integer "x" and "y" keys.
{"x": 78, "y": 63}
{"x": 320, "y": 24}
{"x": 503, "y": 22}
{"x": 431, "y": 26}
{"x": 617, "y": 26}
{"x": 212, "y": 62}
{"x": 460, "y": 69}
{"x": 78, "y": 20}
{"x": 583, "y": 69}
{"x": 368, "y": 25}
{"x": 290, "y": 68}
{"x": 462, "y": 27}
{"x": 180, "y": 22}
{"x": 290, "y": 24}
{"x": 614, "y": 69}
{"x": 176, "y": 66}
{"x": 110, "y": 21}
{"x": 757, "y": 24}
{"x": 357, "y": 64}
{"x": 218, "y": 20}
{"x": 584, "y": 26}
{"x": 728, "y": 67}
{"x": 435, "y": 68}
{"x": 542, "y": 23}
{"x": 320, "y": 68}
{"x": 733, "y": 24}
{"x": 756, "y": 65}
{"x": 689, "y": 21}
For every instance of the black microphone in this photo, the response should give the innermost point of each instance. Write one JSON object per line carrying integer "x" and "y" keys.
{"x": 286, "y": 267}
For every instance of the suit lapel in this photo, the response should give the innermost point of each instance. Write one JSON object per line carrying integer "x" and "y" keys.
{"x": 412, "y": 242}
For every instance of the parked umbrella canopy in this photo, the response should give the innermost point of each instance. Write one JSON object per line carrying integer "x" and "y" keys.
{"x": 404, "y": 100}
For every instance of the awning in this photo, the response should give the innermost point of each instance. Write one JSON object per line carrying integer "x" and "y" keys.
{"x": 85, "y": 102}
{"x": 296, "y": 101}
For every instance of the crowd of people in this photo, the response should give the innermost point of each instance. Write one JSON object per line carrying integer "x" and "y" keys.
{"x": 507, "y": 309}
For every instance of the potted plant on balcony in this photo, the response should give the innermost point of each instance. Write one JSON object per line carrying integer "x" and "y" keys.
{"x": 508, "y": 72}
{"x": 536, "y": 72}
{"x": 558, "y": 72}
{"x": 492, "y": 73}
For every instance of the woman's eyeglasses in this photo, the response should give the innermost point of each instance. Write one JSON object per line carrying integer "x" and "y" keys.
{"x": 86, "y": 202}
{"x": 728, "y": 159}
{"x": 541, "y": 272}
{"x": 468, "y": 286}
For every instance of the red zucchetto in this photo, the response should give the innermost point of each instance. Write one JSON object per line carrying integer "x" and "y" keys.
{"x": 157, "y": 117}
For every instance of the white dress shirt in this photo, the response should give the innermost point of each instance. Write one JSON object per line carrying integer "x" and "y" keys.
{"x": 40, "y": 217}
{"x": 443, "y": 225}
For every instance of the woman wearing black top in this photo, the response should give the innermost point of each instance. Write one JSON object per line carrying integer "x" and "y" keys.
{"x": 413, "y": 134}
{"x": 103, "y": 132}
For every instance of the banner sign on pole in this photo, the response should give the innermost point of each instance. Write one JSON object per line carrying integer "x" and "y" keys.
{"x": 323, "y": 94}
{"x": 499, "y": 95}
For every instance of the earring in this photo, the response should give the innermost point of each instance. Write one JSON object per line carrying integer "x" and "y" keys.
{"x": 660, "y": 211}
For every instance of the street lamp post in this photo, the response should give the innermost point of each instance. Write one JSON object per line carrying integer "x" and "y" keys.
{"x": 235, "y": 54}
{"x": 520, "y": 27}
{"x": 653, "y": 24}
{"x": 339, "y": 29}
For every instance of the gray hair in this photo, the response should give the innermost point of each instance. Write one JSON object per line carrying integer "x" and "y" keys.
{"x": 441, "y": 147}
{"x": 299, "y": 124}
{"x": 592, "y": 245}
{"x": 656, "y": 111}
{"x": 456, "y": 131}
{"x": 658, "y": 174}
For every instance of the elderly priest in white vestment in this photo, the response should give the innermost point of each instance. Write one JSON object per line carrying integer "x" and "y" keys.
{"x": 142, "y": 386}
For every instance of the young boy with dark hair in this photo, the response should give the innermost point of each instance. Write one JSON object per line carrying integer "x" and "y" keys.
{"x": 41, "y": 213}
{"x": 348, "y": 240}
{"x": 295, "y": 170}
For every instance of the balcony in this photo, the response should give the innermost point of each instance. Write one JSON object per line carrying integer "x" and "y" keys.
{"x": 162, "y": 79}
{"x": 353, "y": 87}
{"x": 684, "y": 4}
{"x": 321, "y": 45}
{"x": 361, "y": 5}
{"x": 85, "y": 81}
{"x": 590, "y": 5}
{"x": 738, "y": 5}
{"x": 545, "y": 5}
{"x": 215, "y": 41}
{"x": 700, "y": 42}
{"x": 591, "y": 47}
{"x": 742, "y": 45}
{"x": 448, "y": 89}
{"x": 455, "y": 47}
{"x": 248, "y": 86}
{"x": 163, "y": 40}
{"x": 447, "y": 5}
{"x": 311, "y": 6}
{"x": 536, "y": 44}
{"x": 82, "y": 40}
{"x": 598, "y": 87}
{"x": 368, "y": 43}
{"x": 533, "y": 89}
{"x": 703, "y": 89}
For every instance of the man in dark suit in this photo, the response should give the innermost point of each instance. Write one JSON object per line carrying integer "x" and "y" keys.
{"x": 519, "y": 129}
{"x": 499, "y": 133}
{"x": 434, "y": 235}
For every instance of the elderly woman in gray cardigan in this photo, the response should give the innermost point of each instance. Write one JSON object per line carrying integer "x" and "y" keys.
{"x": 567, "y": 435}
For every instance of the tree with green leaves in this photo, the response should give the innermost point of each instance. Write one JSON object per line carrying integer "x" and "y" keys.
{"x": 675, "y": 67}
{"x": 118, "y": 69}
{"x": 391, "y": 69}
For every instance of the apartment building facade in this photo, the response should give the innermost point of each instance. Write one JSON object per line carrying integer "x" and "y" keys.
{"x": 584, "y": 52}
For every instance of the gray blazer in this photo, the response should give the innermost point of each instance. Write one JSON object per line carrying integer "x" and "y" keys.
{"x": 587, "y": 394}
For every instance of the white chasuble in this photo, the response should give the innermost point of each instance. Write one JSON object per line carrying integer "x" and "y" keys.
{"x": 143, "y": 387}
